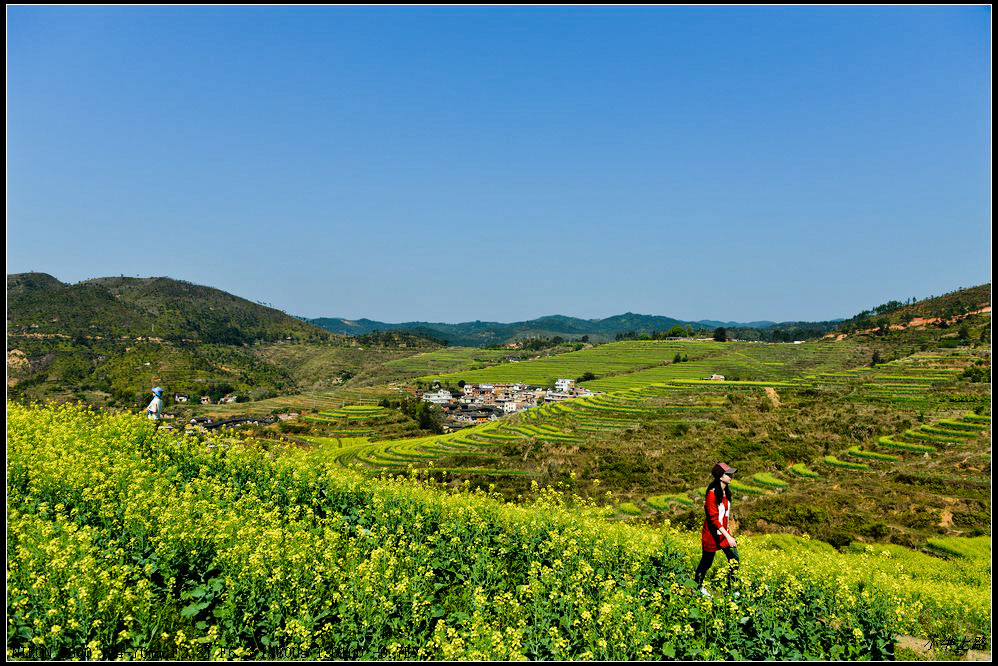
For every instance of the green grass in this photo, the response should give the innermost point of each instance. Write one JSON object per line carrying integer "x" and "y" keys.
{"x": 665, "y": 502}
{"x": 842, "y": 464}
{"x": 801, "y": 470}
{"x": 970, "y": 549}
{"x": 857, "y": 452}
{"x": 746, "y": 488}
{"x": 889, "y": 442}
{"x": 965, "y": 425}
{"x": 629, "y": 508}
{"x": 768, "y": 480}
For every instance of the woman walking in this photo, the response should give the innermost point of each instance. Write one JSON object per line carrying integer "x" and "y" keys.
{"x": 715, "y": 535}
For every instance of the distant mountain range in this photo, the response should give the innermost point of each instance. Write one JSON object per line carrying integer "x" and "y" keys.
{"x": 168, "y": 309}
{"x": 485, "y": 333}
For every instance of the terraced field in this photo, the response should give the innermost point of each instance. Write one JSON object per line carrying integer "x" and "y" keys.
{"x": 449, "y": 359}
{"x": 625, "y": 365}
{"x": 420, "y": 452}
{"x": 317, "y": 401}
{"x": 905, "y": 452}
{"x": 679, "y": 396}
{"x": 938, "y": 434}
{"x": 608, "y": 359}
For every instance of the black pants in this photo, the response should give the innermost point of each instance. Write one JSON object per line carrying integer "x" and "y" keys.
{"x": 708, "y": 559}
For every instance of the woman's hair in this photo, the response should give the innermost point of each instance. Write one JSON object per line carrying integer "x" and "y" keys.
{"x": 715, "y": 485}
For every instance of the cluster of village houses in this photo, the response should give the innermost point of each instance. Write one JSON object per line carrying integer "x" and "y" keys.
{"x": 481, "y": 403}
{"x": 205, "y": 400}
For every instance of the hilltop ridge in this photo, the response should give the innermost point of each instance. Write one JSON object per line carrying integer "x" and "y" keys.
{"x": 159, "y": 307}
{"x": 488, "y": 333}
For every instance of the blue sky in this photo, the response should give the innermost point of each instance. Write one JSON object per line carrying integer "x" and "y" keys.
{"x": 504, "y": 163}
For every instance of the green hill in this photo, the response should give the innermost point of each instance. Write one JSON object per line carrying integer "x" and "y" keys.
{"x": 108, "y": 340}
{"x": 160, "y": 308}
{"x": 951, "y": 307}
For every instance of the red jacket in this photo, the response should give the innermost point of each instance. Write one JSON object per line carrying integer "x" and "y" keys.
{"x": 717, "y": 517}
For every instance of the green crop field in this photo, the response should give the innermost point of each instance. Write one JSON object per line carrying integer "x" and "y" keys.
{"x": 624, "y": 365}
{"x": 449, "y": 359}
{"x": 611, "y": 358}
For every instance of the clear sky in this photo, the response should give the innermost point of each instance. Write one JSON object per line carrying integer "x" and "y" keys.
{"x": 503, "y": 163}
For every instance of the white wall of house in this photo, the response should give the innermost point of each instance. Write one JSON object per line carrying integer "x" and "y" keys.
{"x": 441, "y": 397}
{"x": 564, "y": 384}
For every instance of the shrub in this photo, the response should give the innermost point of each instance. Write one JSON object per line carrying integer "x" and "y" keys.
{"x": 791, "y": 513}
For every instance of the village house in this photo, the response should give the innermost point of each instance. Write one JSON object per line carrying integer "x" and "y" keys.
{"x": 488, "y": 402}
{"x": 441, "y": 397}
{"x": 180, "y": 397}
{"x": 717, "y": 378}
{"x": 564, "y": 385}
{"x": 475, "y": 416}
{"x": 206, "y": 400}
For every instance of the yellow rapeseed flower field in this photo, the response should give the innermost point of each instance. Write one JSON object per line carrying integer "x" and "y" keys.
{"x": 125, "y": 542}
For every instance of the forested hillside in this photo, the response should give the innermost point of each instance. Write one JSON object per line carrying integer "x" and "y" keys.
{"x": 161, "y": 308}
{"x": 109, "y": 340}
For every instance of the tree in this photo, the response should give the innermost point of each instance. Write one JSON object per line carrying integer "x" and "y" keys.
{"x": 720, "y": 334}
{"x": 677, "y": 331}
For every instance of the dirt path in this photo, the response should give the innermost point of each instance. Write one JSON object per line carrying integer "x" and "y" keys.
{"x": 922, "y": 648}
